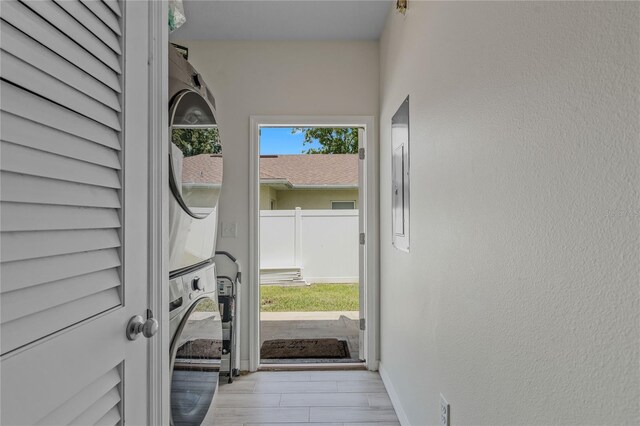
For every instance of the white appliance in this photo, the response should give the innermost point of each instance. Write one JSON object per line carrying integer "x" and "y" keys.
{"x": 195, "y": 165}
{"x": 196, "y": 347}
{"x": 195, "y": 175}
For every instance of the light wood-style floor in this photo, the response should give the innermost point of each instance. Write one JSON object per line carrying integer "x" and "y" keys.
{"x": 335, "y": 398}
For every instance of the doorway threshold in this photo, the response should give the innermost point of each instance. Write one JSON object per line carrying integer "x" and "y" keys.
{"x": 313, "y": 366}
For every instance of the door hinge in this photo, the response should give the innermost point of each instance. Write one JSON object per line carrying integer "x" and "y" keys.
{"x": 363, "y": 324}
{"x": 362, "y": 238}
{"x": 361, "y": 153}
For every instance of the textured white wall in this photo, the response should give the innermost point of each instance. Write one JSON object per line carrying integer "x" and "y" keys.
{"x": 276, "y": 78}
{"x": 519, "y": 299}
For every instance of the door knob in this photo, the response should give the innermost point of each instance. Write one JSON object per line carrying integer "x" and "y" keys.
{"x": 138, "y": 325}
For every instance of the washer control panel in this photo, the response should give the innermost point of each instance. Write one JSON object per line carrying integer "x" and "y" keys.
{"x": 191, "y": 285}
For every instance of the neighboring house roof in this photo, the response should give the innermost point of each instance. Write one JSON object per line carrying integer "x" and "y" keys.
{"x": 202, "y": 169}
{"x": 311, "y": 170}
{"x": 294, "y": 171}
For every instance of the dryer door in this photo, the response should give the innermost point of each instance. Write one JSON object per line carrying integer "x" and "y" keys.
{"x": 195, "y": 151}
{"x": 195, "y": 362}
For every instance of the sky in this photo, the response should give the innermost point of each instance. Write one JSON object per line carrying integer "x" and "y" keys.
{"x": 279, "y": 140}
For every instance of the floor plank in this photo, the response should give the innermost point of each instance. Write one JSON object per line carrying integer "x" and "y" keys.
{"x": 259, "y": 415}
{"x": 238, "y": 386}
{"x": 324, "y": 376}
{"x": 314, "y": 398}
{"x": 366, "y": 387}
{"x": 295, "y": 387}
{"x": 324, "y": 400}
{"x": 278, "y": 376}
{"x": 352, "y": 414}
{"x": 379, "y": 400}
{"x": 241, "y": 400}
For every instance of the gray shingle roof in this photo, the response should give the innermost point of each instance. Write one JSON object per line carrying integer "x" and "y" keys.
{"x": 311, "y": 169}
{"x": 296, "y": 170}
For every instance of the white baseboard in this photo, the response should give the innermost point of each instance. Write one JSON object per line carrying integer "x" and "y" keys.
{"x": 395, "y": 400}
{"x": 244, "y": 365}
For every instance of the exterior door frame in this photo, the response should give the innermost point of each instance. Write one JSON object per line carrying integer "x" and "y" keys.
{"x": 371, "y": 209}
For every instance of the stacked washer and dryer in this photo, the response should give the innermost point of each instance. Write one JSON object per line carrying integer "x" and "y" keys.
{"x": 195, "y": 182}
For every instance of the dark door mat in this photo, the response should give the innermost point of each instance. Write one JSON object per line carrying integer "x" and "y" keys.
{"x": 199, "y": 349}
{"x": 304, "y": 348}
{"x": 265, "y": 364}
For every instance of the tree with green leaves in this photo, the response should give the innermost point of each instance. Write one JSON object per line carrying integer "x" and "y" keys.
{"x": 197, "y": 141}
{"x": 332, "y": 141}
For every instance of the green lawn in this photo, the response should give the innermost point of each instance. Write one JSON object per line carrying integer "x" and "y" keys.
{"x": 313, "y": 298}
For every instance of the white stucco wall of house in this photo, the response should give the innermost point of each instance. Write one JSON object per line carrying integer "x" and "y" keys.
{"x": 267, "y": 194}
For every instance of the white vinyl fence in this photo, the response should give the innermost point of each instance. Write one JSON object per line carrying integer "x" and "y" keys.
{"x": 323, "y": 243}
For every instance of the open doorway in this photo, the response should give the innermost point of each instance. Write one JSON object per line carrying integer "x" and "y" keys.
{"x": 309, "y": 245}
{"x": 309, "y": 266}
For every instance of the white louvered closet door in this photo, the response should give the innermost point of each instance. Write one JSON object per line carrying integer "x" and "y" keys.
{"x": 74, "y": 212}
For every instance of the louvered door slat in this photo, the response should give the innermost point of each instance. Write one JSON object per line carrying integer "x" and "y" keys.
{"x": 19, "y": 159}
{"x": 36, "y": 326}
{"x": 29, "y": 301}
{"x": 91, "y": 22}
{"x": 57, "y": 17}
{"x": 99, "y": 409}
{"x": 35, "y": 190}
{"x": 105, "y": 14}
{"x": 114, "y": 6}
{"x": 88, "y": 396}
{"x": 26, "y": 76}
{"x": 21, "y": 131}
{"x": 32, "y": 245}
{"x": 111, "y": 418}
{"x": 32, "y": 107}
{"x": 24, "y": 217}
{"x": 56, "y": 268}
{"x": 40, "y": 30}
{"x": 24, "y": 47}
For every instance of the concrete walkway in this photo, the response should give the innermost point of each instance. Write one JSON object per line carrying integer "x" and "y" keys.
{"x": 306, "y": 316}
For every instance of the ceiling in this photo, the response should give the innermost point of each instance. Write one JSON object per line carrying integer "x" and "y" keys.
{"x": 283, "y": 20}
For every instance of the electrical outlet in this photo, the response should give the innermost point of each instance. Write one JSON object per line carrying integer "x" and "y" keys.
{"x": 444, "y": 411}
{"x": 230, "y": 230}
